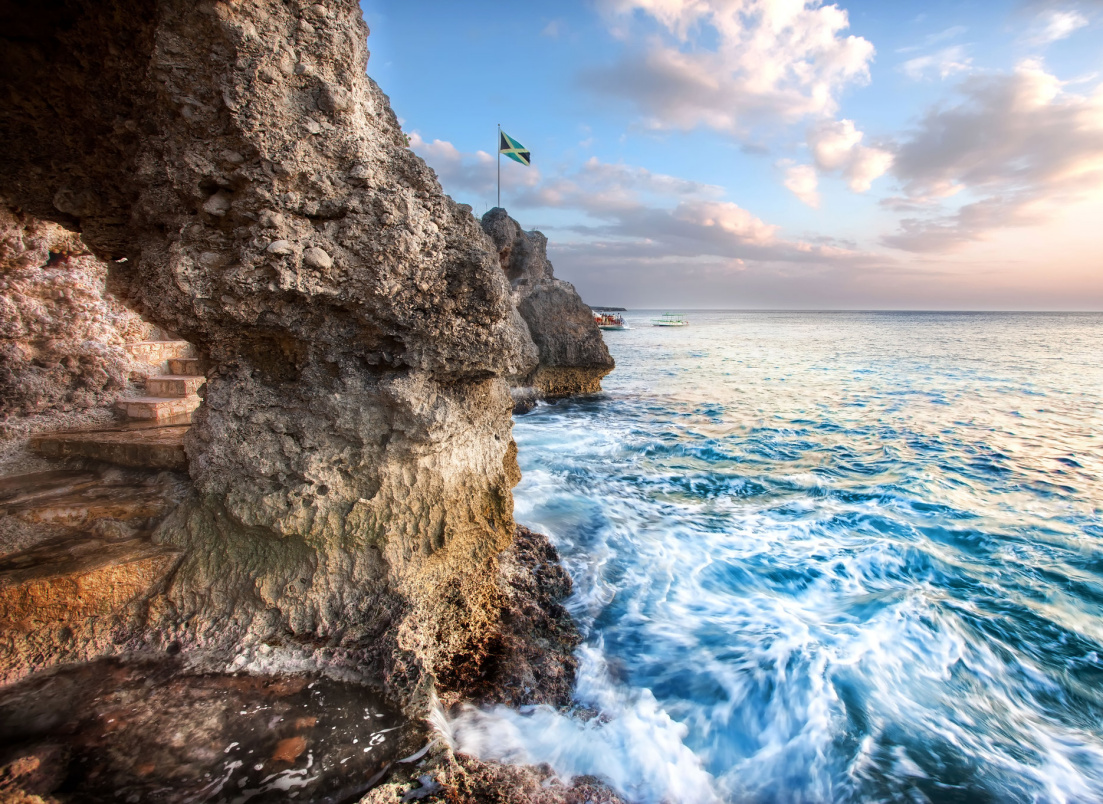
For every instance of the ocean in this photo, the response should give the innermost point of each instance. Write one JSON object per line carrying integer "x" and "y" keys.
{"x": 827, "y": 557}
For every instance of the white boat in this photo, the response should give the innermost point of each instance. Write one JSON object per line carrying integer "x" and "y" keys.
{"x": 670, "y": 320}
{"x": 609, "y": 321}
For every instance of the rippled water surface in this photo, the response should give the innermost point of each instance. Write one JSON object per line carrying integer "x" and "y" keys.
{"x": 829, "y": 557}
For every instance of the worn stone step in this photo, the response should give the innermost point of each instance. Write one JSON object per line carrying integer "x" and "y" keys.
{"x": 21, "y": 488}
{"x": 173, "y": 385}
{"x": 158, "y": 353}
{"x": 191, "y": 366}
{"x": 157, "y": 407}
{"x": 84, "y": 507}
{"x": 63, "y": 582}
{"x": 151, "y": 447}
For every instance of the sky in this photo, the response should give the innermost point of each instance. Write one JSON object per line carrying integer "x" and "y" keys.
{"x": 772, "y": 154}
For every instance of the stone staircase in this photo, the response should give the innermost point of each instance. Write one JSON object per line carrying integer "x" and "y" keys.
{"x": 153, "y": 438}
{"x": 171, "y": 394}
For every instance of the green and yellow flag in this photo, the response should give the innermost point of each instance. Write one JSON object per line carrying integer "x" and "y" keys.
{"x": 513, "y": 149}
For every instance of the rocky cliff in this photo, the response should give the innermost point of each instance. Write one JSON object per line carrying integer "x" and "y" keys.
{"x": 572, "y": 356}
{"x": 349, "y": 506}
{"x": 352, "y": 463}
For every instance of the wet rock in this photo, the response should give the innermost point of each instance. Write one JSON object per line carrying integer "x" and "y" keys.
{"x": 524, "y": 398}
{"x": 157, "y": 447}
{"x": 535, "y": 661}
{"x": 572, "y": 354}
{"x": 462, "y": 779}
{"x": 32, "y": 771}
{"x": 152, "y": 731}
{"x": 289, "y": 749}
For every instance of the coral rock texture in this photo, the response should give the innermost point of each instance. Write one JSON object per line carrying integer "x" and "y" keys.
{"x": 61, "y": 333}
{"x": 572, "y": 354}
{"x": 352, "y": 462}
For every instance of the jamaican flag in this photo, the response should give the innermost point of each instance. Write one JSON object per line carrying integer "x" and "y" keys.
{"x": 513, "y": 149}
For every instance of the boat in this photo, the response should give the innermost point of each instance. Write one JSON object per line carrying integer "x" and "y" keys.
{"x": 609, "y": 321}
{"x": 670, "y": 320}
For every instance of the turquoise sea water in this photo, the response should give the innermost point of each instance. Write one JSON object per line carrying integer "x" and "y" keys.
{"x": 828, "y": 557}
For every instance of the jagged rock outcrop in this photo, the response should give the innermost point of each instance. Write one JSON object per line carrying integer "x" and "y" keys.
{"x": 61, "y": 332}
{"x": 352, "y": 463}
{"x": 572, "y": 356}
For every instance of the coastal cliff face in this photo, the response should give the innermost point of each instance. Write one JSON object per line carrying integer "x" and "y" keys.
{"x": 61, "y": 332}
{"x": 352, "y": 464}
{"x": 572, "y": 356}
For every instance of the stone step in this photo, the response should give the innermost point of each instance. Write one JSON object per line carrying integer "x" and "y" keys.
{"x": 16, "y": 489}
{"x": 151, "y": 447}
{"x": 84, "y": 507}
{"x": 191, "y": 366}
{"x": 157, "y": 407}
{"x": 173, "y": 385}
{"x": 158, "y": 353}
{"x": 63, "y": 582}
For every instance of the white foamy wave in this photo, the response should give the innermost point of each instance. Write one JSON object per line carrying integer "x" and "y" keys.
{"x": 634, "y": 745}
{"x": 869, "y": 582}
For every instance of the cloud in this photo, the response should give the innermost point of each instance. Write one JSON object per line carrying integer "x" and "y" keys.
{"x": 1017, "y": 148}
{"x": 705, "y": 229}
{"x": 1053, "y": 24}
{"x": 634, "y": 214}
{"x": 731, "y": 65}
{"x": 801, "y": 180}
{"x": 943, "y": 63}
{"x": 602, "y": 188}
{"x": 837, "y": 146}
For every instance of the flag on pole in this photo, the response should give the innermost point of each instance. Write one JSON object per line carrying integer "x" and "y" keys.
{"x": 513, "y": 149}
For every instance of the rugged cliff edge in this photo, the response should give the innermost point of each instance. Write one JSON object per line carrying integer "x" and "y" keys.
{"x": 349, "y": 507}
{"x": 572, "y": 356}
{"x": 352, "y": 463}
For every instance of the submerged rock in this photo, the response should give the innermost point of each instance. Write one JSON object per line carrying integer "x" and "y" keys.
{"x": 153, "y": 731}
{"x": 572, "y": 356}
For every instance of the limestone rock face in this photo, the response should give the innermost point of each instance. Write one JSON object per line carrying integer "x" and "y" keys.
{"x": 352, "y": 462}
{"x": 572, "y": 356}
{"x": 61, "y": 332}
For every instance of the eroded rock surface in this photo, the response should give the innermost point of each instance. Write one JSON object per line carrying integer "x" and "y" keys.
{"x": 61, "y": 332}
{"x": 352, "y": 463}
{"x": 572, "y": 356}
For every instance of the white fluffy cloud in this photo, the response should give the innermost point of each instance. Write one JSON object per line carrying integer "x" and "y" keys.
{"x": 837, "y": 146}
{"x": 733, "y": 64}
{"x": 801, "y": 181}
{"x": 1017, "y": 148}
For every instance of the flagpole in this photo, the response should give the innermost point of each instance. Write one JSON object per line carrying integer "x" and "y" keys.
{"x": 498, "y": 150}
